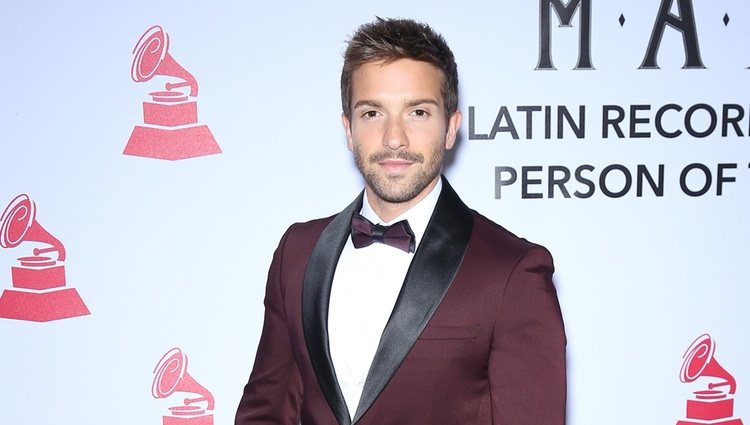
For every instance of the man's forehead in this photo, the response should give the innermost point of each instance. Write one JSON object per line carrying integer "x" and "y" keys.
{"x": 402, "y": 76}
{"x": 380, "y": 64}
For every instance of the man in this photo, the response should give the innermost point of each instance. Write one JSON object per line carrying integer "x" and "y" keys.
{"x": 458, "y": 325}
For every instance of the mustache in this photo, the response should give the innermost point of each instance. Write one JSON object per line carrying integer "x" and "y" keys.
{"x": 402, "y": 155}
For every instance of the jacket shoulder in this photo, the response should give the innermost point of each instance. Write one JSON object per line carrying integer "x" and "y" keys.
{"x": 494, "y": 235}
{"x": 308, "y": 228}
{"x": 301, "y": 237}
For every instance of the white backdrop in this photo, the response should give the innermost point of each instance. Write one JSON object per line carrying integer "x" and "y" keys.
{"x": 174, "y": 253}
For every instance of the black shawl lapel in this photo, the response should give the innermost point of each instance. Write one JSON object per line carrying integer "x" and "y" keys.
{"x": 316, "y": 292}
{"x": 432, "y": 270}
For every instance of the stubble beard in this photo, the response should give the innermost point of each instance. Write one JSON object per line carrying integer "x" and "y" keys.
{"x": 399, "y": 188}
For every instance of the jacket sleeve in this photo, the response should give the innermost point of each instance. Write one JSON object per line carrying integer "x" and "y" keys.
{"x": 274, "y": 391}
{"x": 527, "y": 359}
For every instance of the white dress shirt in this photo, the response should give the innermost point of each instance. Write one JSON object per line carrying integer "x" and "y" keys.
{"x": 365, "y": 286}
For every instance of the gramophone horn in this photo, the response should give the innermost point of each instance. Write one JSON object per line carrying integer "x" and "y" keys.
{"x": 171, "y": 376}
{"x": 16, "y": 220}
{"x": 18, "y": 224}
{"x": 700, "y": 361}
{"x": 151, "y": 57}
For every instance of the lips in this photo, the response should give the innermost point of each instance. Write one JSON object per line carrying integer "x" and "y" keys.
{"x": 394, "y": 165}
{"x": 396, "y": 157}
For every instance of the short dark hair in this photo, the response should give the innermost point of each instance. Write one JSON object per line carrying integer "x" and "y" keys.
{"x": 389, "y": 40}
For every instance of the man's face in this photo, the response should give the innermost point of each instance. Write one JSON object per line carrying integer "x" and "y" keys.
{"x": 398, "y": 130}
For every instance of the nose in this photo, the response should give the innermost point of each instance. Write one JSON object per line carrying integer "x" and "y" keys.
{"x": 394, "y": 136}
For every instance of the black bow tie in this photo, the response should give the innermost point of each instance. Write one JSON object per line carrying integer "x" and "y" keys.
{"x": 398, "y": 235}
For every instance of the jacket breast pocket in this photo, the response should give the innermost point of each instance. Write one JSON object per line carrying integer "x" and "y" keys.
{"x": 447, "y": 343}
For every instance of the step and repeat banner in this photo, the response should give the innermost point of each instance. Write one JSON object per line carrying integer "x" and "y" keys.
{"x": 154, "y": 152}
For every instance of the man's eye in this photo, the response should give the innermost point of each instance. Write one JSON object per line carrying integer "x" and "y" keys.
{"x": 370, "y": 114}
{"x": 421, "y": 113}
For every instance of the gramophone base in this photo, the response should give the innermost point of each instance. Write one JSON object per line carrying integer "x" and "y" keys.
{"x": 41, "y": 306}
{"x": 171, "y": 143}
{"x": 38, "y": 278}
{"x": 188, "y": 420}
{"x": 711, "y": 409}
{"x": 716, "y": 422}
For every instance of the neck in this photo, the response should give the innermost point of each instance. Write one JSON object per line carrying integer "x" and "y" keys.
{"x": 387, "y": 211}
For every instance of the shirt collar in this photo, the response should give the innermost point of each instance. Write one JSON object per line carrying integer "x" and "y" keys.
{"x": 418, "y": 216}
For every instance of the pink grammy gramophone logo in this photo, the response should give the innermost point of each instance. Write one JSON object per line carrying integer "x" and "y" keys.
{"x": 713, "y": 404}
{"x": 171, "y": 130}
{"x": 39, "y": 292}
{"x": 171, "y": 377}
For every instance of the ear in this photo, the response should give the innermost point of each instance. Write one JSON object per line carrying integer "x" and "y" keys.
{"x": 454, "y": 123}
{"x": 348, "y": 130}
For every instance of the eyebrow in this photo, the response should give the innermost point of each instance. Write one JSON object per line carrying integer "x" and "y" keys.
{"x": 370, "y": 103}
{"x": 417, "y": 102}
{"x": 410, "y": 103}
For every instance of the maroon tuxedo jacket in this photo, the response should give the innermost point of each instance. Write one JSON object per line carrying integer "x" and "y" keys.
{"x": 475, "y": 337}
